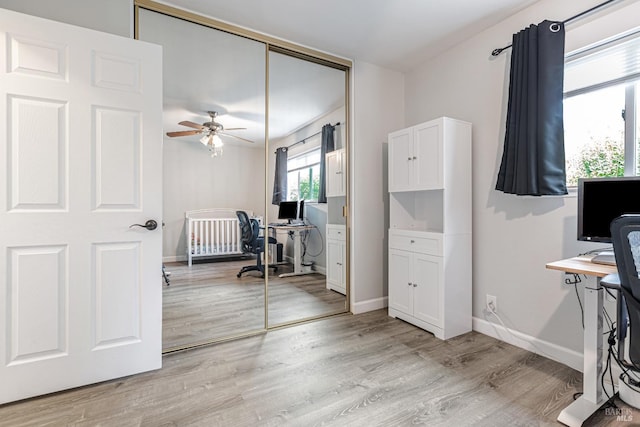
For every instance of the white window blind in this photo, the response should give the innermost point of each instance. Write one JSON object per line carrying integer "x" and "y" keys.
{"x": 612, "y": 63}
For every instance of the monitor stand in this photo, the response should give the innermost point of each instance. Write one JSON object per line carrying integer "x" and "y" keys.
{"x": 604, "y": 257}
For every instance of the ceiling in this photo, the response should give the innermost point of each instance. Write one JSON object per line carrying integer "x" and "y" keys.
{"x": 212, "y": 70}
{"x": 393, "y": 34}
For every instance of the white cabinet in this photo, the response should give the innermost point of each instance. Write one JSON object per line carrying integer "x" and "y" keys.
{"x": 336, "y": 257}
{"x": 417, "y": 284}
{"x": 430, "y": 226}
{"x": 335, "y": 176}
{"x": 415, "y": 158}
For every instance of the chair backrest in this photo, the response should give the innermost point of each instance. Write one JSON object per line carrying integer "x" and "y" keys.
{"x": 625, "y": 233}
{"x": 248, "y": 232}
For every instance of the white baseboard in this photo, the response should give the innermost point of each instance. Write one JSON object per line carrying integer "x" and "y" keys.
{"x": 174, "y": 258}
{"x": 369, "y": 305}
{"x": 571, "y": 358}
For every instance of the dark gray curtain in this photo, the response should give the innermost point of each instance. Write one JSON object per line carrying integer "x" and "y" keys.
{"x": 280, "y": 179}
{"x": 533, "y": 156}
{"x": 327, "y": 146}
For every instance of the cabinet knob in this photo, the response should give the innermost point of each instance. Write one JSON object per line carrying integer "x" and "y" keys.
{"x": 414, "y": 157}
{"x": 409, "y": 283}
{"x": 413, "y": 241}
{"x": 408, "y": 158}
{"x": 415, "y": 285}
{"x": 338, "y": 263}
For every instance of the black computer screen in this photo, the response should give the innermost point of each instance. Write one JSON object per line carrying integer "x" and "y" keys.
{"x": 601, "y": 200}
{"x": 288, "y": 210}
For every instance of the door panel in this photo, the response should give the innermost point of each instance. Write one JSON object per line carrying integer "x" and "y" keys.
{"x": 426, "y": 298}
{"x": 400, "y": 289}
{"x": 428, "y": 153}
{"x": 400, "y": 155}
{"x": 37, "y": 300}
{"x": 80, "y": 294}
{"x": 116, "y": 171}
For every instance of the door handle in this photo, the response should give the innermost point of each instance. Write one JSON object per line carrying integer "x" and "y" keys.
{"x": 149, "y": 225}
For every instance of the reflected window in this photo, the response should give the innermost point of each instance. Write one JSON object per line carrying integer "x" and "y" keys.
{"x": 303, "y": 179}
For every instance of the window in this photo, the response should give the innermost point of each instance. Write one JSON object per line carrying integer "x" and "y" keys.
{"x": 304, "y": 176}
{"x": 600, "y": 115}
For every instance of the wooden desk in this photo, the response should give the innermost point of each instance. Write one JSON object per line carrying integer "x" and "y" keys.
{"x": 582, "y": 265}
{"x": 593, "y": 396}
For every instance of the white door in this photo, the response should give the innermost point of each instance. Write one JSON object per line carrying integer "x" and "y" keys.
{"x": 401, "y": 160}
{"x": 400, "y": 281}
{"x": 427, "y": 292}
{"x": 428, "y": 152}
{"x": 80, "y": 291}
{"x": 335, "y": 174}
{"x": 335, "y": 265}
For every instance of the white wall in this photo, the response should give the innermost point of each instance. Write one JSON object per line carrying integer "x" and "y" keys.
{"x": 513, "y": 237}
{"x": 111, "y": 16}
{"x": 378, "y": 108}
{"x": 195, "y": 180}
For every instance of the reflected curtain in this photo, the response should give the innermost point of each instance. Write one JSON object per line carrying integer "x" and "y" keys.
{"x": 280, "y": 178}
{"x": 327, "y": 145}
{"x": 533, "y": 160}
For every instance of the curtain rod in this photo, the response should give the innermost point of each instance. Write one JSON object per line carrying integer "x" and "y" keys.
{"x": 303, "y": 140}
{"x": 498, "y": 51}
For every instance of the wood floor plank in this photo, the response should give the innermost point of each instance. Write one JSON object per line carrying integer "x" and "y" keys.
{"x": 363, "y": 370}
{"x": 207, "y": 301}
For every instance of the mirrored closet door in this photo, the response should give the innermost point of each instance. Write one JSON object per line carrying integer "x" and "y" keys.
{"x": 307, "y": 123}
{"x": 238, "y": 260}
{"x": 214, "y": 110}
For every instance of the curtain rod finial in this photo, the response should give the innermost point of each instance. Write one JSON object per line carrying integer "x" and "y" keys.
{"x": 496, "y": 52}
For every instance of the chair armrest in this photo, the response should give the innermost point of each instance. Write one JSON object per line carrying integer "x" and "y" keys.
{"x": 611, "y": 281}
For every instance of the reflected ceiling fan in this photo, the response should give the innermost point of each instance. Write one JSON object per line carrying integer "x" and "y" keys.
{"x": 211, "y": 131}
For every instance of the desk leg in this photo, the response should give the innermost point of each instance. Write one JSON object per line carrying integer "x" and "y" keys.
{"x": 298, "y": 268}
{"x": 593, "y": 396}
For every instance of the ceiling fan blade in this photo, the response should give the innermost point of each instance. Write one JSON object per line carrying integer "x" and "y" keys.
{"x": 183, "y": 133}
{"x": 235, "y": 128}
{"x": 191, "y": 124}
{"x": 237, "y": 137}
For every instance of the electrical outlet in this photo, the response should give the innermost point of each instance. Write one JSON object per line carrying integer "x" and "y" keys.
{"x": 492, "y": 303}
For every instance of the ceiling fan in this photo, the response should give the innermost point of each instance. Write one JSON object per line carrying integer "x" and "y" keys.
{"x": 211, "y": 131}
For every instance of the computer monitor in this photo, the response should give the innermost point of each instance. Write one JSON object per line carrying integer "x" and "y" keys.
{"x": 601, "y": 200}
{"x": 288, "y": 210}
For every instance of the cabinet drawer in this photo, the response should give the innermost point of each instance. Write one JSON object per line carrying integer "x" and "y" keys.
{"x": 431, "y": 244}
{"x": 336, "y": 232}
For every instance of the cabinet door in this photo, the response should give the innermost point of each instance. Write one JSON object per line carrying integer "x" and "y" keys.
{"x": 401, "y": 160}
{"x": 427, "y": 292}
{"x": 427, "y": 156}
{"x": 400, "y": 284}
{"x": 334, "y": 174}
{"x": 335, "y": 264}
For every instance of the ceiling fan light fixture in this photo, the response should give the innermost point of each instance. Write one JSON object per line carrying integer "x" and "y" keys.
{"x": 205, "y": 140}
{"x": 215, "y": 145}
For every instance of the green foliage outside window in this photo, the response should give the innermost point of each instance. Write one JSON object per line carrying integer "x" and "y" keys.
{"x": 597, "y": 159}
{"x": 309, "y": 188}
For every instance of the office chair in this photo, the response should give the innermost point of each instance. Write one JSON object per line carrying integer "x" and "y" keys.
{"x": 625, "y": 233}
{"x": 252, "y": 243}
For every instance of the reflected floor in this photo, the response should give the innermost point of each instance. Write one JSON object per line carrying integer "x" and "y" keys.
{"x": 207, "y": 301}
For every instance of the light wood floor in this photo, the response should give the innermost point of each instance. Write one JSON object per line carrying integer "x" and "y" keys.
{"x": 207, "y": 301}
{"x": 362, "y": 370}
